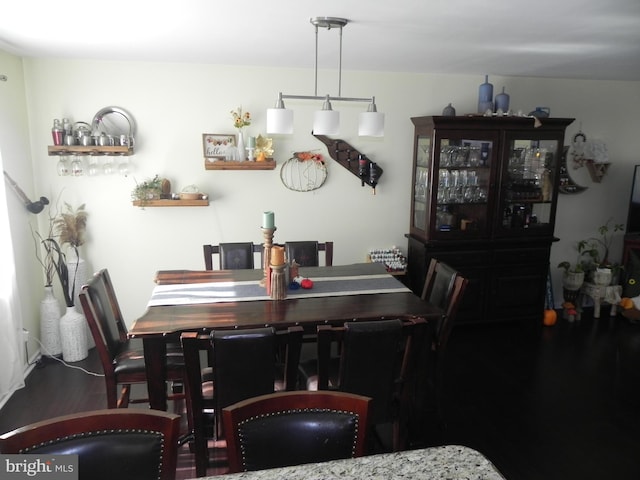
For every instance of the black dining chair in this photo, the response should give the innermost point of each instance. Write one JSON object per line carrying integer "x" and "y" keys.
{"x": 378, "y": 359}
{"x": 306, "y": 253}
{"x": 126, "y": 444}
{"x": 228, "y": 366}
{"x": 444, "y": 287}
{"x": 294, "y": 428}
{"x": 232, "y": 256}
{"x": 122, "y": 358}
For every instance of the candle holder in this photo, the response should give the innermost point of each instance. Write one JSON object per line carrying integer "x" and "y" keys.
{"x": 267, "y": 233}
{"x": 250, "y": 154}
{"x": 278, "y": 282}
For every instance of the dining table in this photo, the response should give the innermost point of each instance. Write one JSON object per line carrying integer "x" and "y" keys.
{"x": 190, "y": 300}
{"x": 447, "y": 462}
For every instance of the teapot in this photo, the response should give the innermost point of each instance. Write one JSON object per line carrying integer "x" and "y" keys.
{"x": 540, "y": 112}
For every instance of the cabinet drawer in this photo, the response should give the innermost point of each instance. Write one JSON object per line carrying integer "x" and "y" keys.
{"x": 521, "y": 255}
{"x": 463, "y": 258}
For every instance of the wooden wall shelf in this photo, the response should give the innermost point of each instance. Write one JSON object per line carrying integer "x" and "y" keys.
{"x": 268, "y": 164}
{"x": 171, "y": 203}
{"x": 89, "y": 150}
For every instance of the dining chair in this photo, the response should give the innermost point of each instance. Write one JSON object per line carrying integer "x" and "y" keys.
{"x": 444, "y": 287}
{"x": 127, "y": 444}
{"x": 306, "y": 253}
{"x": 122, "y": 358}
{"x": 232, "y": 256}
{"x": 294, "y": 428}
{"x": 228, "y": 366}
{"x": 377, "y": 359}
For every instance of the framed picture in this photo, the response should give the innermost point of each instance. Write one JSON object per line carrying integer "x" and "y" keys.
{"x": 218, "y": 146}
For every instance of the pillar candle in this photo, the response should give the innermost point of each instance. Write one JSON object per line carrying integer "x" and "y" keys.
{"x": 277, "y": 255}
{"x": 268, "y": 220}
{"x": 252, "y": 142}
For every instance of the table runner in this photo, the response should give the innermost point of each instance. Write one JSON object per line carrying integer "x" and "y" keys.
{"x": 242, "y": 291}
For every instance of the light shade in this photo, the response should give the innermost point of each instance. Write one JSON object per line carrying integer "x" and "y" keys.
{"x": 326, "y": 122}
{"x": 279, "y": 120}
{"x": 371, "y": 124}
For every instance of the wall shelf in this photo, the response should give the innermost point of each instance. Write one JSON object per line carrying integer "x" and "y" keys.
{"x": 268, "y": 164}
{"x": 171, "y": 203}
{"x": 89, "y": 150}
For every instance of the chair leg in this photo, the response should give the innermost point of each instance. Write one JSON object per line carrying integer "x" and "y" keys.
{"x": 125, "y": 395}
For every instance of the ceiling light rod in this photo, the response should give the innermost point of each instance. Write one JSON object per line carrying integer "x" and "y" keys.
{"x": 326, "y": 121}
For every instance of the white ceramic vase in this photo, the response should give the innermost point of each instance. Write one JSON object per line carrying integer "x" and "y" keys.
{"x": 78, "y": 271}
{"x": 573, "y": 280}
{"x": 50, "y": 324}
{"x": 602, "y": 277}
{"x": 73, "y": 336}
{"x": 241, "y": 151}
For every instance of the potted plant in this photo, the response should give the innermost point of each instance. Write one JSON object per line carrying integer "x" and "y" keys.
{"x": 150, "y": 189}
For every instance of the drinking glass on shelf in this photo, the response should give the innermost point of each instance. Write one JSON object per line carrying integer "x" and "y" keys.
{"x": 77, "y": 169}
{"x": 63, "y": 166}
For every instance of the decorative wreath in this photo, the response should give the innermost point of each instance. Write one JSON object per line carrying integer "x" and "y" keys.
{"x": 304, "y": 172}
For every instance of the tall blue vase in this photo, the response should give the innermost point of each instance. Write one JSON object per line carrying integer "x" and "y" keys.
{"x": 485, "y": 96}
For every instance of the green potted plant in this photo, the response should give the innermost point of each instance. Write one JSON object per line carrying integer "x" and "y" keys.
{"x": 150, "y": 189}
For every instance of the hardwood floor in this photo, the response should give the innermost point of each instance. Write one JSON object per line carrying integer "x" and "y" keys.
{"x": 541, "y": 403}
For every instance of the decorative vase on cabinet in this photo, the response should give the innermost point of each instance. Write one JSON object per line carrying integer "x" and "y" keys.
{"x": 483, "y": 199}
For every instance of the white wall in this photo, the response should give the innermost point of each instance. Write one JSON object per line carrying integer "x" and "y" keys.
{"x": 174, "y": 104}
{"x": 16, "y": 156}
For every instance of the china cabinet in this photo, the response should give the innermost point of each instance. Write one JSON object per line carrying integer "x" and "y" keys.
{"x": 483, "y": 199}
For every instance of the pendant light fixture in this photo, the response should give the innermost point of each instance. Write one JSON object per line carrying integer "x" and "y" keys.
{"x": 326, "y": 121}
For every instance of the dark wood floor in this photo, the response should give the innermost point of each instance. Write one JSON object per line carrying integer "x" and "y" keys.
{"x": 542, "y": 403}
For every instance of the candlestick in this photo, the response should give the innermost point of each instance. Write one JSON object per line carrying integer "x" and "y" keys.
{"x": 277, "y": 255}
{"x": 251, "y": 157}
{"x": 278, "y": 282}
{"x": 267, "y": 233}
{"x": 268, "y": 220}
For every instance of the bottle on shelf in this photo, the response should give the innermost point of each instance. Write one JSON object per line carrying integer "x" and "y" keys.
{"x": 57, "y": 132}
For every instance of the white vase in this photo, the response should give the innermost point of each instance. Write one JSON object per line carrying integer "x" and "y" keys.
{"x": 73, "y": 336}
{"x": 241, "y": 151}
{"x": 602, "y": 277}
{"x": 78, "y": 272}
{"x": 50, "y": 324}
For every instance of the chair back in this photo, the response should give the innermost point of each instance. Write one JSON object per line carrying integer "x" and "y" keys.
{"x": 238, "y": 364}
{"x": 232, "y": 256}
{"x": 306, "y": 254}
{"x": 123, "y": 444}
{"x": 293, "y": 428}
{"x": 104, "y": 317}
{"x": 375, "y": 359}
{"x": 444, "y": 287}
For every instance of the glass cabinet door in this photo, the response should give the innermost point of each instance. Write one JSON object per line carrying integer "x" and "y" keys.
{"x": 421, "y": 183}
{"x": 527, "y": 190}
{"x": 462, "y": 185}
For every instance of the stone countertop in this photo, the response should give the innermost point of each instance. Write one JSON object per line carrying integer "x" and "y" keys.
{"x": 449, "y": 462}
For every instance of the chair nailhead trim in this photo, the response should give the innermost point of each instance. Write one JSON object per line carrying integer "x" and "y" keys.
{"x": 97, "y": 433}
{"x": 286, "y": 412}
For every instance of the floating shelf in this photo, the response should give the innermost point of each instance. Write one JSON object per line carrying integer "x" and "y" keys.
{"x": 171, "y": 203}
{"x": 89, "y": 150}
{"x": 268, "y": 164}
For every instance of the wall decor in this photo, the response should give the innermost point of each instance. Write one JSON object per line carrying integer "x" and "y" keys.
{"x": 304, "y": 172}
{"x": 350, "y": 158}
{"x": 218, "y": 146}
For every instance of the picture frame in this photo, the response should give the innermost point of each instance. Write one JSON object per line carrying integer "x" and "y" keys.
{"x": 218, "y": 146}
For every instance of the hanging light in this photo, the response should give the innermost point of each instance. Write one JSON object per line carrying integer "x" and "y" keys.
{"x": 327, "y": 120}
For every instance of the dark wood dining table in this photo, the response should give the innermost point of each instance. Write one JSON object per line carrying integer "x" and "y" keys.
{"x": 165, "y": 321}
